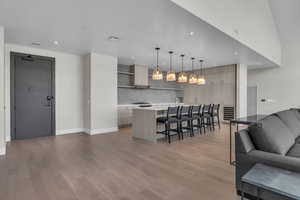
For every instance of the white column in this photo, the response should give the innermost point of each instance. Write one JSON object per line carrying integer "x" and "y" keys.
{"x": 2, "y": 94}
{"x": 102, "y": 104}
{"x": 241, "y": 110}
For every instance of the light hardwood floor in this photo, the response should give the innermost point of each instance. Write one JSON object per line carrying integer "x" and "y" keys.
{"x": 113, "y": 166}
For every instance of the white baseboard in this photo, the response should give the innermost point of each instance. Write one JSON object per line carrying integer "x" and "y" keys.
{"x": 69, "y": 131}
{"x": 103, "y": 131}
{"x": 3, "y": 150}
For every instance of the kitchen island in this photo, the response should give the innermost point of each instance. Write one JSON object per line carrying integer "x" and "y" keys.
{"x": 144, "y": 125}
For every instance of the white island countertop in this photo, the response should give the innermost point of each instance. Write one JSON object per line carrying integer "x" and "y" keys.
{"x": 144, "y": 124}
{"x": 158, "y": 107}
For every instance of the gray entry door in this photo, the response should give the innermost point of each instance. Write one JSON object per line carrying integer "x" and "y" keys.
{"x": 34, "y": 99}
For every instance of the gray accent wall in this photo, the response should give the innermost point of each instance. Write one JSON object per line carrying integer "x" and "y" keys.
{"x": 159, "y": 91}
{"x": 219, "y": 88}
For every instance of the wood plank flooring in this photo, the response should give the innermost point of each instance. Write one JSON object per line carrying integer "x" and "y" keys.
{"x": 114, "y": 166}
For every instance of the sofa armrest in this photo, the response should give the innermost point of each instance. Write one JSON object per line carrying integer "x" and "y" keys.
{"x": 275, "y": 160}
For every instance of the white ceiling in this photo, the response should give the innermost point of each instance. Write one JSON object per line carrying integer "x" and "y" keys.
{"x": 287, "y": 17}
{"x": 84, "y": 26}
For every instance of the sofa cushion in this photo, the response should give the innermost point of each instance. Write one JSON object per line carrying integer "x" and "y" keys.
{"x": 272, "y": 136}
{"x": 294, "y": 151}
{"x": 290, "y": 119}
{"x": 297, "y": 140}
{"x": 296, "y": 112}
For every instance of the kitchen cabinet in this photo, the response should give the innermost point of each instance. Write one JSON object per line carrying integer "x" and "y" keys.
{"x": 141, "y": 76}
{"x": 124, "y": 115}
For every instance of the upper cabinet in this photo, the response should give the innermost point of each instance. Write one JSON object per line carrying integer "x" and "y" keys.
{"x": 141, "y": 77}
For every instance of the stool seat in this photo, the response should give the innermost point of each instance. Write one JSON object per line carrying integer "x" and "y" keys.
{"x": 166, "y": 120}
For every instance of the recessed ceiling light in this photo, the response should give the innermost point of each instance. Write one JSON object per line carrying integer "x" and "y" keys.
{"x": 113, "y": 38}
{"x": 36, "y": 43}
{"x": 56, "y": 42}
{"x": 192, "y": 33}
{"x": 236, "y": 53}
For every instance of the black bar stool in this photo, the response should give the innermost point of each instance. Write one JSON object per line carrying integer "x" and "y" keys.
{"x": 215, "y": 114}
{"x": 195, "y": 115}
{"x": 171, "y": 118}
{"x": 184, "y": 117}
{"x": 207, "y": 116}
{"x": 199, "y": 110}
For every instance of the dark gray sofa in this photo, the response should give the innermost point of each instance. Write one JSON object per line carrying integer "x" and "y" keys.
{"x": 275, "y": 142}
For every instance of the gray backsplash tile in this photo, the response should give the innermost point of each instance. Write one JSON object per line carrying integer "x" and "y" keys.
{"x": 126, "y": 96}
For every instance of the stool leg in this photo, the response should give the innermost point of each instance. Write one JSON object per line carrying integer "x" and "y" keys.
{"x": 181, "y": 130}
{"x": 199, "y": 125}
{"x": 192, "y": 127}
{"x": 178, "y": 131}
{"x": 168, "y": 133}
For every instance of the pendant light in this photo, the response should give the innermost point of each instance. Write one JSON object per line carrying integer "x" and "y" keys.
{"x": 157, "y": 73}
{"x": 193, "y": 77}
{"x": 171, "y": 76}
{"x": 182, "y": 78}
{"x": 201, "y": 78}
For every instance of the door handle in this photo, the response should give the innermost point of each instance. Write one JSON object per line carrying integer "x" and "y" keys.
{"x": 49, "y": 100}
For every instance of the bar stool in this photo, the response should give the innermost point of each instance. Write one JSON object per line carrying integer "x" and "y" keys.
{"x": 195, "y": 115}
{"x": 171, "y": 118}
{"x": 207, "y": 116}
{"x": 200, "y": 119}
{"x": 215, "y": 114}
{"x": 184, "y": 117}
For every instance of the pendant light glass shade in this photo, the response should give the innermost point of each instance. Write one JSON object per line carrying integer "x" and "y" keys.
{"x": 171, "y": 75}
{"x": 182, "y": 77}
{"x": 201, "y": 80}
{"x": 157, "y": 73}
{"x": 193, "y": 77}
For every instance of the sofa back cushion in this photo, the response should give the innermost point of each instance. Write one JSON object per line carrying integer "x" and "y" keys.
{"x": 296, "y": 112}
{"x": 290, "y": 119}
{"x": 271, "y": 135}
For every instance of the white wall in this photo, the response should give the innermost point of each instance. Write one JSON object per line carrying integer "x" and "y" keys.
{"x": 87, "y": 94}
{"x": 241, "y": 93}
{"x": 252, "y": 18}
{"x": 103, "y": 89}
{"x": 280, "y": 86}
{"x": 68, "y": 88}
{"x": 2, "y": 124}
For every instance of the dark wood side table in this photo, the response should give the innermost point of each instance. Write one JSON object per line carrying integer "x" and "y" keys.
{"x": 275, "y": 180}
{"x": 249, "y": 120}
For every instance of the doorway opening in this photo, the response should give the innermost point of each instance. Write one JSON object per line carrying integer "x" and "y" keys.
{"x": 32, "y": 96}
{"x": 252, "y": 100}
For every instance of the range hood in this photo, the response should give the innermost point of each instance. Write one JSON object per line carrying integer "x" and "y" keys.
{"x": 141, "y": 77}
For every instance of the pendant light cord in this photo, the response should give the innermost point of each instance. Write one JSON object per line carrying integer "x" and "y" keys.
{"x": 182, "y": 62}
{"x": 192, "y": 64}
{"x": 157, "y": 57}
{"x": 171, "y": 54}
{"x": 201, "y": 71}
